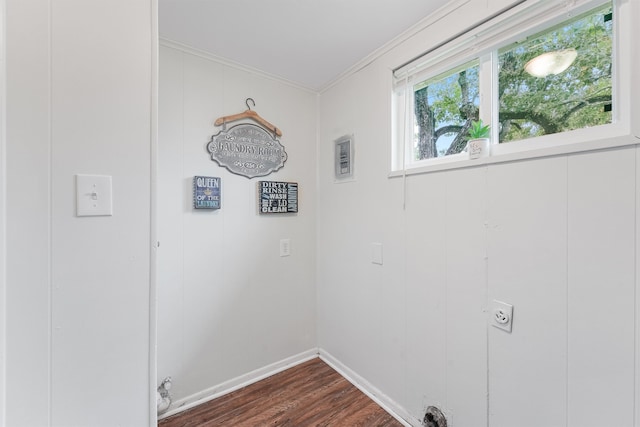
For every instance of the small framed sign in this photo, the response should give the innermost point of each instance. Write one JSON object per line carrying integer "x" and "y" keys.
{"x": 277, "y": 197}
{"x": 206, "y": 192}
{"x": 343, "y": 158}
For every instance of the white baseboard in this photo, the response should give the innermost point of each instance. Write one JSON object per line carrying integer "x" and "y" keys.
{"x": 388, "y": 404}
{"x": 237, "y": 383}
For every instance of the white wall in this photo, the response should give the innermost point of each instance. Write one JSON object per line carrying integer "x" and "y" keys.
{"x": 3, "y": 229}
{"x": 79, "y": 96}
{"x": 556, "y": 237}
{"x": 228, "y": 304}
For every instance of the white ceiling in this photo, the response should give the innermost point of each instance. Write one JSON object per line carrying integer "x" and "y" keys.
{"x": 308, "y": 42}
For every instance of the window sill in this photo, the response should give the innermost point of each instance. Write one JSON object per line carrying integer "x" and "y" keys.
{"x": 503, "y": 154}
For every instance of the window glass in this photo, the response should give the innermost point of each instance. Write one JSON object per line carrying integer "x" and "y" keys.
{"x": 558, "y": 80}
{"x": 444, "y": 108}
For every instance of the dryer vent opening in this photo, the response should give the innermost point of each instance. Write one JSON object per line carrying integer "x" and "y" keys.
{"x": 434, "y": 418}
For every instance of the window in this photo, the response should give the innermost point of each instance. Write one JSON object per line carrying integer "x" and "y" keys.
{"x": 533, "y": 74}
{"x": 444, "y": 108}
{"x": 557, "y": 81}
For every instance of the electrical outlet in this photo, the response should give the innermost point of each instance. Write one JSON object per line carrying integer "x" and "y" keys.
{"x": 501, "y": 315}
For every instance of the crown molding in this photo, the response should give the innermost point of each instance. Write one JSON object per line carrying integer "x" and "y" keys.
{"x": 397, "y": 41}
{"x": 232, "y": 64}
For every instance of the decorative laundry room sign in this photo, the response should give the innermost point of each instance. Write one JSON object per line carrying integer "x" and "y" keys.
{"x": 277, "y": 197}
{"x": 206, "y": 192}
{"x": 246, "y": 149}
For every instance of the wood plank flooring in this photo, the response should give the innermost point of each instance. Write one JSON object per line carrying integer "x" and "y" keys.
{"x": 309, "y": 394}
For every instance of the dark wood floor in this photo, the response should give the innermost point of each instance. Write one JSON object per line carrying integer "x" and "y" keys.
{"x": 309, "y": 394}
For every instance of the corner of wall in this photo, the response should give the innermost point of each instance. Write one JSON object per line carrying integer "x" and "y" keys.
{"x": 153, "y": 294}
{"x": 3, "y": 239}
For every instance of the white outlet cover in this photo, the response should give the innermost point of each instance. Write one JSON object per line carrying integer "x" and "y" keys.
{"x": 93, "y": 195}
{"x": 501, "y": 315}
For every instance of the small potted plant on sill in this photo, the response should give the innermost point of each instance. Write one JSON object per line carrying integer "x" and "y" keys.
{"x": 478, "y": 144}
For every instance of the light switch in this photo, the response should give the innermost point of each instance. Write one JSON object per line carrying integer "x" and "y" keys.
{"x": 93, "y": 195}
{"x": 376, "y": 253}
{"x": 285, "y": 247}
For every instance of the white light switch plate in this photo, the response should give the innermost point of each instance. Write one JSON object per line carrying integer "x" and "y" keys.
{"x": 376, "y": 253}
{"x": 285, "y": 247}
{"x": 93, "y": 195}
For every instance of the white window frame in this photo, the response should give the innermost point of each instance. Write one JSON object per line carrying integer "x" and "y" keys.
{"x": 483, "y": 42}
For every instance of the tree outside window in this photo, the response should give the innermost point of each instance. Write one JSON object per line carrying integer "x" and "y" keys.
{"x": 575, "y": 98}
{"x": 579, "y": 96}
{"x": 444, "y": 108}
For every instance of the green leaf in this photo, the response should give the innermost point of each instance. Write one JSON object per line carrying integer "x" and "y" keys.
{"x": 477, "y": 130}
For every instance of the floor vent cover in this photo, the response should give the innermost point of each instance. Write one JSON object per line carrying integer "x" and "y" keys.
{"x": 434, "y": 418}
